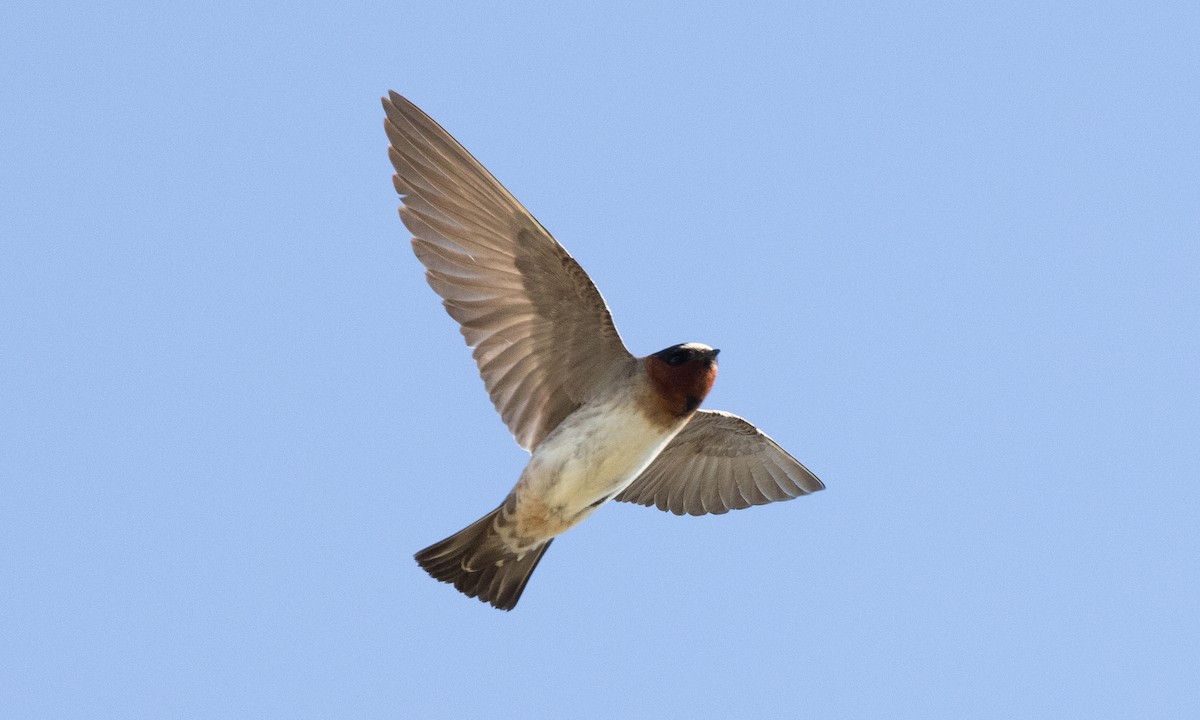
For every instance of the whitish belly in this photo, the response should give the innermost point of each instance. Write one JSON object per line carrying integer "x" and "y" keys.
{"x": 595, "y": 454}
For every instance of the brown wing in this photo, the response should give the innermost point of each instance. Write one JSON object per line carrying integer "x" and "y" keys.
{"x": 541, "y": 333}
{"x": 717, "y": 463}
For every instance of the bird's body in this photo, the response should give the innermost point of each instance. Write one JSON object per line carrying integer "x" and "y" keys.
{"x": 600, "y": 423}
{"x": 600, "y": 449}
{"x": 593, "y": 455}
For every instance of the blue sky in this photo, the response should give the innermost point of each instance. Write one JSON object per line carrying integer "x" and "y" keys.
{"x": 949, "y": 253}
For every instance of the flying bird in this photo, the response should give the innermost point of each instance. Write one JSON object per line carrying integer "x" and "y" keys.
{"x": 600, "y": 423}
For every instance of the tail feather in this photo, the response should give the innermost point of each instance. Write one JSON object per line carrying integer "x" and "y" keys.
{"x": 478, "y": 563}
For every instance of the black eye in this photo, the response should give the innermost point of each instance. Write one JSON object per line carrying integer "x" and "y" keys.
{"x": 678, "y": 357}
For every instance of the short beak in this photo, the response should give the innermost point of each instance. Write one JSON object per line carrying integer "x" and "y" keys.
{"x": 712, "y": 355}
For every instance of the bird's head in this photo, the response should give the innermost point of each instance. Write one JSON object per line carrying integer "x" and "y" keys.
{"x": 682, "y": 375}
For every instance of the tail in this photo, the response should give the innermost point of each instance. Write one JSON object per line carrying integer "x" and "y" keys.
{"x": 479, "y": 564}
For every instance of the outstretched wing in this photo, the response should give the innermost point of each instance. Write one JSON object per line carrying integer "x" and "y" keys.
{"x": 542, "y": 334}
{"x": 717, "y": 463}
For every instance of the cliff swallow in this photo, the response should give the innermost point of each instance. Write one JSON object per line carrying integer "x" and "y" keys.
{"x": 600, "y": 423}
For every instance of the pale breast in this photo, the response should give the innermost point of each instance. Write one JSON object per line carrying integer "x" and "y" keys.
{"x": 593, "y": 455}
